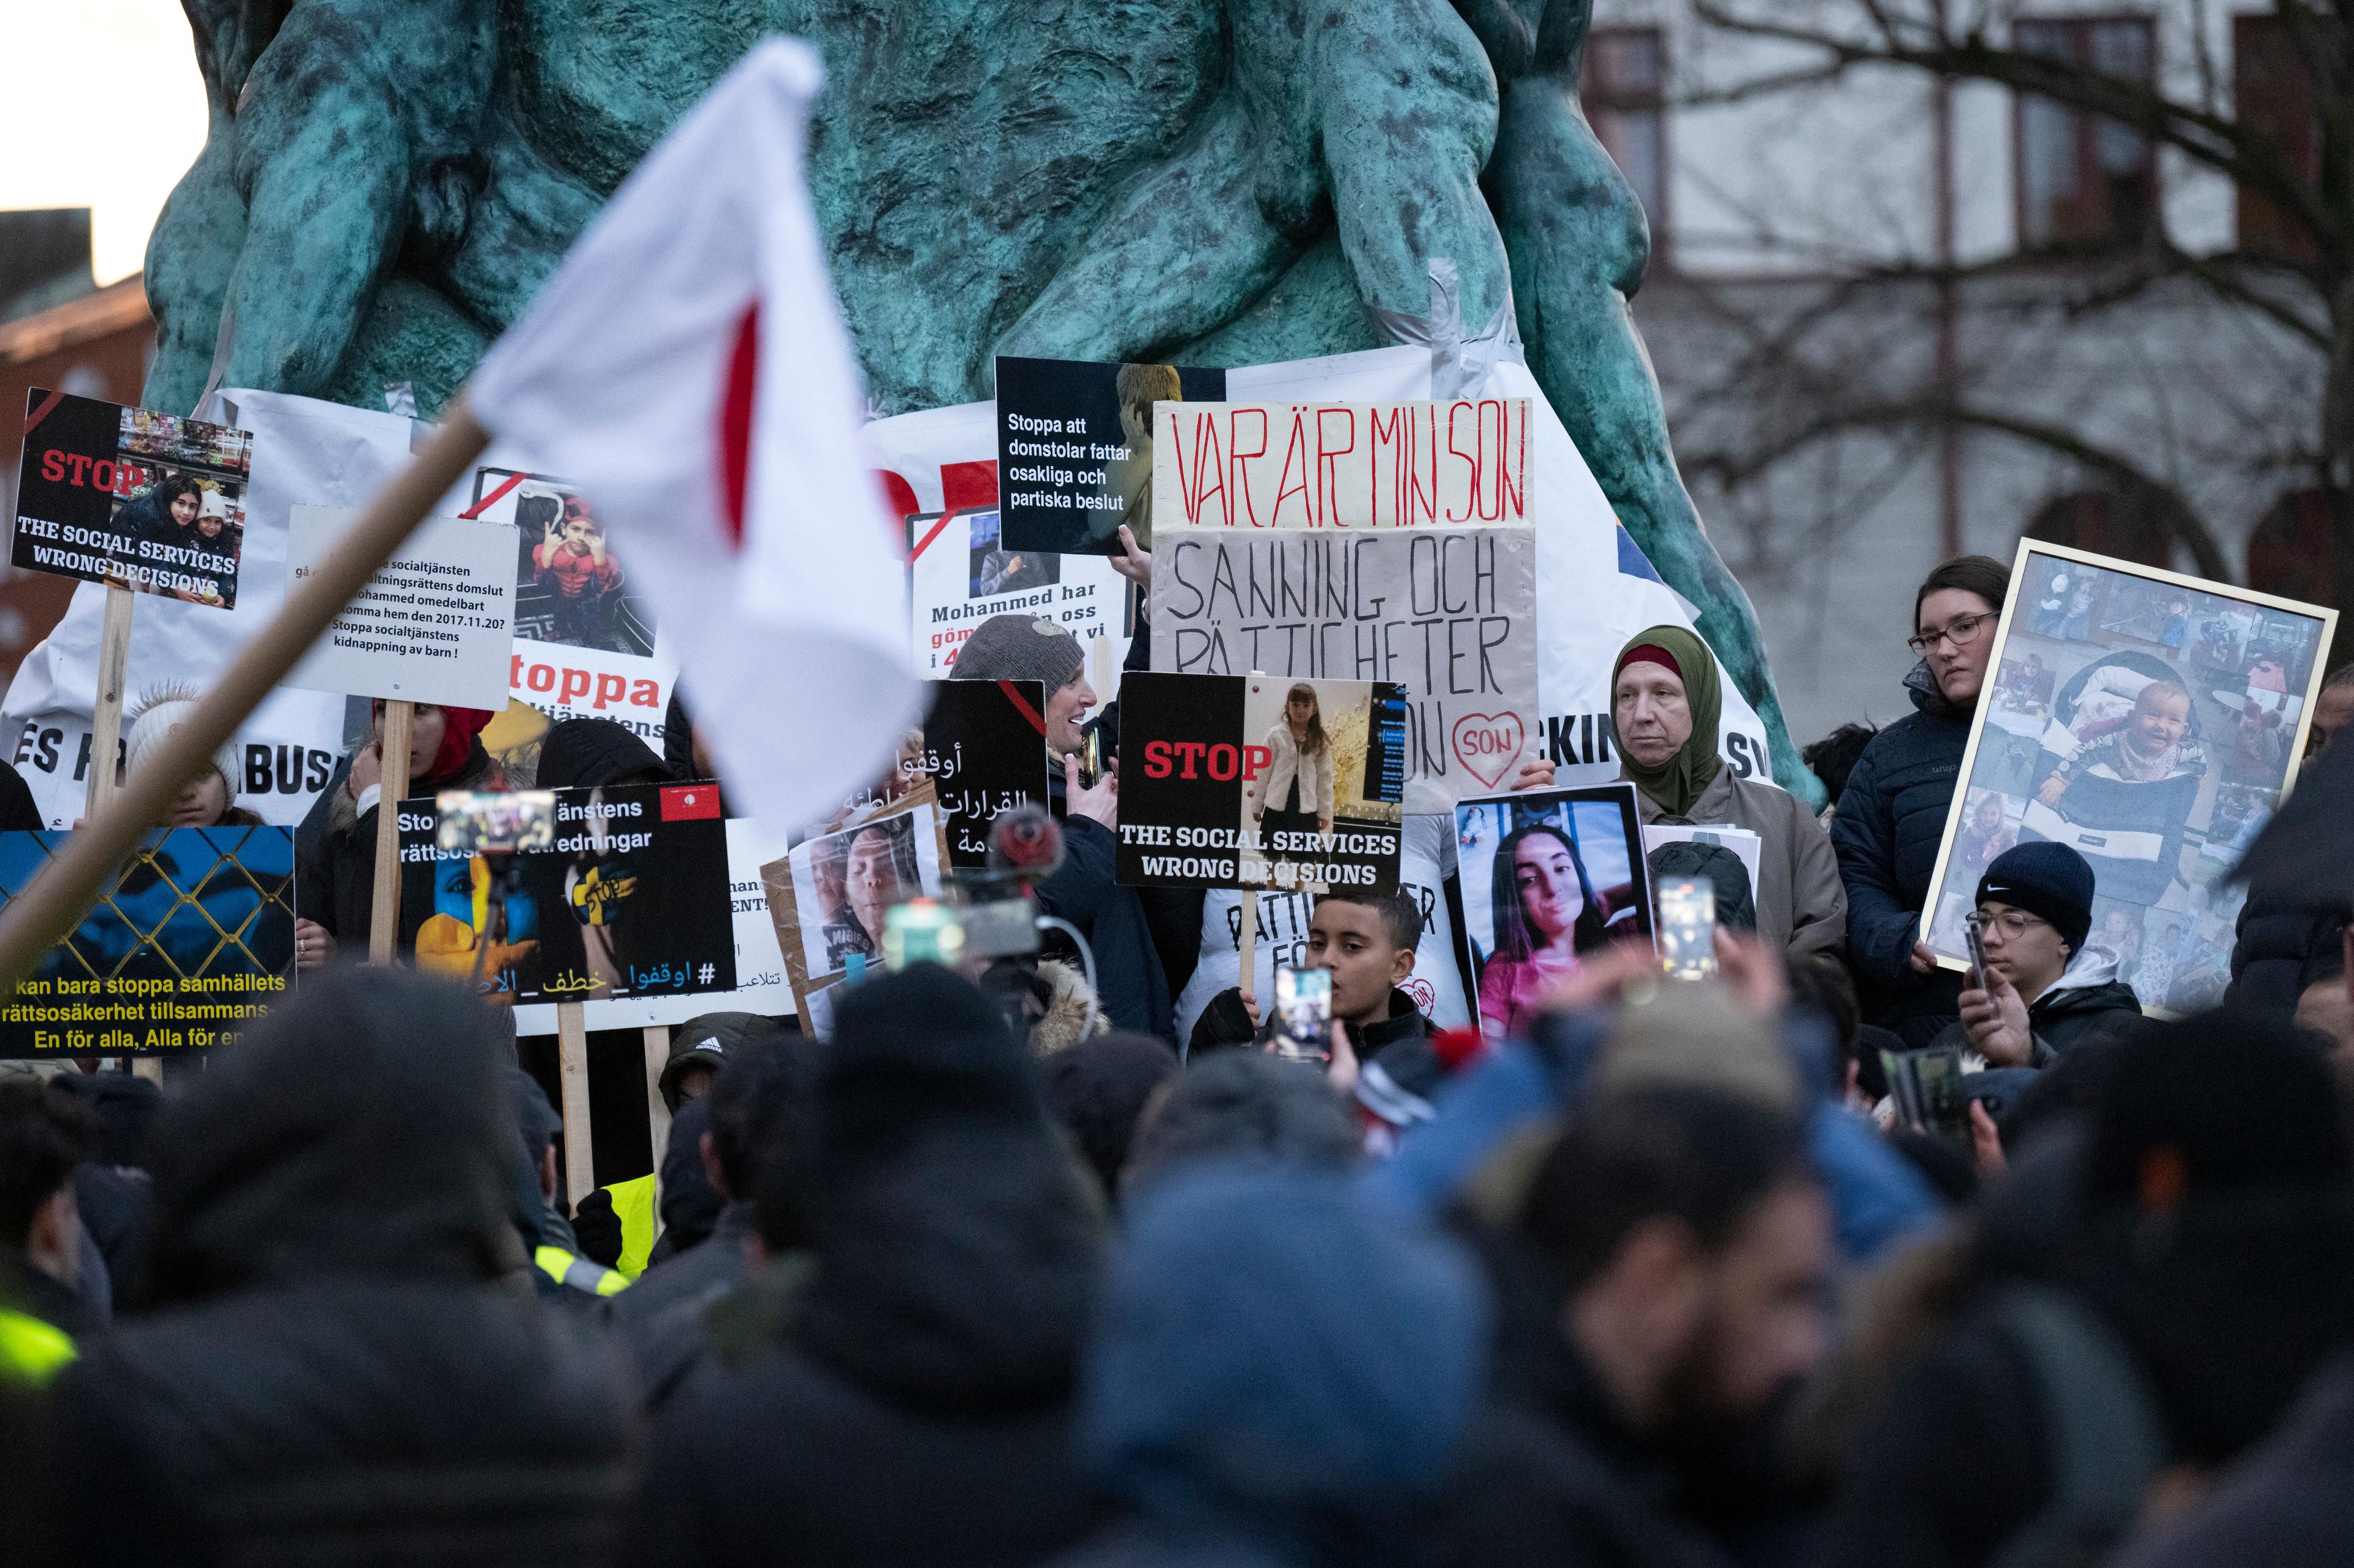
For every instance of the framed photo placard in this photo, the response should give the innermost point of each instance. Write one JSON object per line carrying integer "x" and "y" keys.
{"x": 2151, "y": 722}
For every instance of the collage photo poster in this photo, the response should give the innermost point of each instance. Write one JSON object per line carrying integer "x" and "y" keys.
{"x": 2151, "y": 722}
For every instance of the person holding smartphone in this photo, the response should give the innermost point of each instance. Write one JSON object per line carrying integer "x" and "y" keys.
{"x": 2044, "y": 986}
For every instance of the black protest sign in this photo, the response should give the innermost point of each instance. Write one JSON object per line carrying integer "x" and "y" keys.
{"x": 1260, "y": 781}
{"x": 984, "y": 748}
{"x": 194, "y": 938}
{"x": 1075, "y": 448}
{"x": 150, "y": 501}
{"x": 630, "y": 899}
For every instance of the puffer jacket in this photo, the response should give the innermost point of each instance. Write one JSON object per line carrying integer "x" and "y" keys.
{"x": 2279, "y": 950}
{"x": 1890, "y": 820}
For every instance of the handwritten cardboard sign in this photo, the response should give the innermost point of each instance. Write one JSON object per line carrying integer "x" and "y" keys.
{"x": 1447, "y": 613}
{"x": 1260, "y": 781}
{"x": 134, "y": 496}
{"x": 191, "y": 940}
{"x": 435, "y": 624}
{"x": 630, "y": 899}
{"x": 1341, "y": 465}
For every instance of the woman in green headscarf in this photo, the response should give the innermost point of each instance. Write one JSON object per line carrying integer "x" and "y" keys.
{"x": 1666, "y": 704}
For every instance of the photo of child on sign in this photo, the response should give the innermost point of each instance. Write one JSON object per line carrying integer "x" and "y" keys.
{"x": 2144, "y": 719}
{"x": 571, "y": 586}
{"x": 1315, "y": 769}
{"x": 145, "y": 500}
{"x": 1549, "y": 877}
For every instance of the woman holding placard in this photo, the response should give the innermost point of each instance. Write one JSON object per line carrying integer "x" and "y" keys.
{"x": 1666, "y": 704}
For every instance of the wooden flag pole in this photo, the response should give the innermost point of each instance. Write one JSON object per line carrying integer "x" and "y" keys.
{"x": 392, "y": 788}
{"x": 1249, "y": 974}
{"x": 55, "y": 901}
{"x": 572, "y": 1076}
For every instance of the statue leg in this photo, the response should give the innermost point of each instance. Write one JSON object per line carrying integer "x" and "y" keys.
{"x": 1579, "y": 246}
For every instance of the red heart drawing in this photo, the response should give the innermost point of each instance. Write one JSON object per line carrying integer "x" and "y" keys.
{"x": 1487, "y": 744}
{"x": 1425, "y": 994}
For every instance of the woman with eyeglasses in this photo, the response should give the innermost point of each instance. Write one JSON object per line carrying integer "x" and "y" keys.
{"x": 1891, "y": 816}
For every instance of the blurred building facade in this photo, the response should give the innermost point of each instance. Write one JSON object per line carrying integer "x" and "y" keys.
{"x": 1895, "y": 317}
{"x": 59, "y": 332}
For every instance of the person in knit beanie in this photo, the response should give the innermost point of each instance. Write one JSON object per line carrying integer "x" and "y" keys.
{"x": 1033, "y": 648}
{"x": 2044, "y": 987}
{"x": 1132, "y": 982}
{"x": 207, "y": 800}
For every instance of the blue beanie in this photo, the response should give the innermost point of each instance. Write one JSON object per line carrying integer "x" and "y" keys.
{"x": 2045, "y": 879}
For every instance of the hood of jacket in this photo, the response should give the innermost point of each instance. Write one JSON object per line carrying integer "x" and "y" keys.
{"x": 578, "y": 753}
{"x": 1921, "y": 687}
{"x": 956, "y": 1241}
{"x": 362, "y": 1128}
{"x": 1277, "y": 1349}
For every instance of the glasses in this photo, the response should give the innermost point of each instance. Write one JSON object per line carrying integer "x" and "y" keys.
{"x": 2013, "y": 923}
{"x": 1963, "y": 629}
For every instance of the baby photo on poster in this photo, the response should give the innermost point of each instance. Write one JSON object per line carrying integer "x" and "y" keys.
{"x": 1075, "y": 448}
{"x": 1549, "y": 877}
{"x": 149, "y": 501}
{"x": 2149, "y": 721}
{"x": 1259, "y": 781}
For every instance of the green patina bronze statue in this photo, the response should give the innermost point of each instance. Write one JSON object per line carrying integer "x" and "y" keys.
{"x": 1212, "y": 182}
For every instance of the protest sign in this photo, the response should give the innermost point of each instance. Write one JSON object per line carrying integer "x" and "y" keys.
{"x": 1260, "y": 781}
{"x": 1447, "y": 613}
{"x": 959, "y": 574}
{"x": 434, "y": 626}
{"x": 1075, "y": 448}
{"x": 192, "y": 938}
{"x": 148, "y": 500}
{"x": 586, "y": 645}
{"x": 1342, "y": 465}
{"x": 1728, "y": 856}
{"x": 629, "y": 900}
{"x": 1547, "y": 875}
{"x": 1597, "y": 587}
{"x": 2149, "y": 721}
{"x": 759, "y": 967}
{"x": 830, "y": 893}
{"x": 983, "y": 747}
{"x": 1280, "y": 933}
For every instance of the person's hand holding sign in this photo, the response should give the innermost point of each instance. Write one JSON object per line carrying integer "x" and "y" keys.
{"x": 1133, "y": 562}
{"x": 1100, "y": 804}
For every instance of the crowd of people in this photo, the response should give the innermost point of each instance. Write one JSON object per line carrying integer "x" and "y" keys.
{"x": 1664, "y": 1273}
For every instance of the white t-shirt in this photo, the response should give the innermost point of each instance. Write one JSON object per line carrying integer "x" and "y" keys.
{"x": 1436, "y": 985}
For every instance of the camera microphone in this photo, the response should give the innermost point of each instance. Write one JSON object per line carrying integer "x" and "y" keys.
{"x": 1025, "y": 845}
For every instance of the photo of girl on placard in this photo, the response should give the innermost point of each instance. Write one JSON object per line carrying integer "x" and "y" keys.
{"x": 1549, "y": 876}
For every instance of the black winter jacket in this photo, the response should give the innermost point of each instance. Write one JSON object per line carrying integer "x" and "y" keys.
{"x": 1890, "y": 820}
{"x": 2280, "y": 949}
{"x": 2061, "y": 1017}
{"x": 1131, "y": 984}
{"x": 917, "y": 1410}
{"x": 343, "y": 1361}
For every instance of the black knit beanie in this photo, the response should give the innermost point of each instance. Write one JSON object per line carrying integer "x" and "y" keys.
{"x": 2047, "y": 880}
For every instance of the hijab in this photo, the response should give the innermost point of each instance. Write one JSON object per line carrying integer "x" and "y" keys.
{"x": 1677, "y": 783}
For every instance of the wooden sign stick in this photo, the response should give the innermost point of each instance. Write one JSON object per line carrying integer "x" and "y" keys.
{"x": 1250, "y": 943}
{"x": 572, "y": 1076}
{"x": 657, "y": 1038}
{"x": 106, "y": 713}
{"x": 392, "y": 788}
{"x": 57, "y": 900}
{"x": 106, "y": 736}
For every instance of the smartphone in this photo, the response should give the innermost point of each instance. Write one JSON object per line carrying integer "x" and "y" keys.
{"x": 1090, "y": 759}
{"x": 1974, "y": 932}
{"x": 922, "y": 930}
{"x": 1303, "y": 1015}
{"x": 1688, "y": 928}
{"x": 1944, "y": 1109}
{"x": 471, "y": 823}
